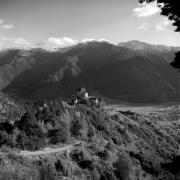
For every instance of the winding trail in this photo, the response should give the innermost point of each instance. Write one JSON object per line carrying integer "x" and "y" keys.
{"x": 49, "y": 150}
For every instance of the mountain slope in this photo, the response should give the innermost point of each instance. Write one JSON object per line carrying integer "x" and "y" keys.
{"x": 83, "y": 142}
{"x": 12, "y": 63}
{"x": 167, "y": 52}
{"x": 117, "y": 72}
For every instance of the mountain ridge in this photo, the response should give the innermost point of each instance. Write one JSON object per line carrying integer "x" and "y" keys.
{"x": 114, "y": 71}
{"x": 88, "y": 41}
{"x": 144, "y": 45}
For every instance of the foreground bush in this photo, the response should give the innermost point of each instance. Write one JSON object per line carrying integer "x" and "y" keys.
{"x": 122, "y": 167}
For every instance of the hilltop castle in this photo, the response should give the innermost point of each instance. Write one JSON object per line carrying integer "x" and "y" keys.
{"x": 82, "y": 97}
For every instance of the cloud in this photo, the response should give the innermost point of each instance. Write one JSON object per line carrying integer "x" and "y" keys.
{"x": 21, "y": 41}
{"x": 147, "y": 9}
{"x": 61, "y": 42}
{"x": 8, "y": 26}
{"x": 51, "y": 44}
{"x": 4, "y": 38}
{"x": 54, "y": 43}
{"x": 18, "y": 42}
{"x": 143, "y": 27}
{"x": 1, "y": 21}
{"x": 163, "y": 24}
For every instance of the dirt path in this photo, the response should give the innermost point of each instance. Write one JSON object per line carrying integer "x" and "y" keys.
{"x": 48, "y": 150}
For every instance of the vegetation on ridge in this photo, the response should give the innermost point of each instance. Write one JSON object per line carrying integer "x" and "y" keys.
{"x": 120, "y": 146}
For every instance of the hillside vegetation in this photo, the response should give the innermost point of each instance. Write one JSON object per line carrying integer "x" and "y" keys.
{"x": 111, "y": 146}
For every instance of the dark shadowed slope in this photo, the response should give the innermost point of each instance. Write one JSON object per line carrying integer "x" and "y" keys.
{"x": 116, "y": 72}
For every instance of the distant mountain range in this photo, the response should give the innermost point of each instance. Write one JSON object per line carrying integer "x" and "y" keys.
{"x": 132, "y": 71}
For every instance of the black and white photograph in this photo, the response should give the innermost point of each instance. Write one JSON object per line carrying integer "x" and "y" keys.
{"x": 89, "y": 90}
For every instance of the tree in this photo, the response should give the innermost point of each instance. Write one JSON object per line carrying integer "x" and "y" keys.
{"x": 91, "y": 133}
{"x": 176, "y": 62}
{"x": 122, "y": 167}
{"x": 170, "y": 9}
{"x": 60, "y": 134}
{"x": 31, "y": 136}
{"x": 27, "y": 121}
{"x": 77, "y": 128}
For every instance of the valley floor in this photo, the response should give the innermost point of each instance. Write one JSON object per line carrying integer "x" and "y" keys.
{"x": 145, "y": 109}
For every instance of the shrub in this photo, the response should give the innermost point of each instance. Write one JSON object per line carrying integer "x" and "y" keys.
{"x": 77, "y": 127}
{"x": 48, "y": 171}
{"x": 5, "y": 149}
{"x": 32, "y": 140}
{"x": 107, "y": 175}
{"x": 56, "y": 107}
{"x": 98, "y": 120}
{"x": 3, "y": 137}
{"x": 103, "y": 155}
{"x": 44, "y": 114}
{"x": 122, "y": 167}
{"x": 82, "y": 158}
{"x": 95, "y": 175}
{"x": 110, "y": 146}
{"x": 27, "y": 121}
{"x": 6, "y": 139}
{"x": 60, "y": 168}
{"x": 58, "y": 136}
{"x": 115, "y": 117}
{"x": 91, "y": 133}
{"x": 7, "y": 175}
{"x": 77, "y": 172}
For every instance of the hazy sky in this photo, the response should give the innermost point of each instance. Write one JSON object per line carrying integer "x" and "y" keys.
{"x": 64, "y": 22}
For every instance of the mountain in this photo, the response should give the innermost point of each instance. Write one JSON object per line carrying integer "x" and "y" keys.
{"x": 138, "y": 45}
{"x": 167, "y": 52}
{"x": 132, "y": 71}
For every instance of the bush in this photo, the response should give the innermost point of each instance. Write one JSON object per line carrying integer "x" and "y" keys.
{"x": 60, "y": 168}
{"x": 48, "y": 171}
{"x": 5, "y": 149}
{"x": 95, "y": 175}
{"x": 115, "y": 117}
{"x": 110, "y": 146}
{"x": 91, "y": 133}
{"x": 122, "y": 167}
{"x": 82, "y": 158}
{"x": 58, "y": 136}
{"x": 107, "y": 175}
{"x": 27, "y": 121}
{"x": 32, "y": 140}
{"x": 103, "y": 155}
{"x": 77, "y": 128}
{"x": 6, "y": 139}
